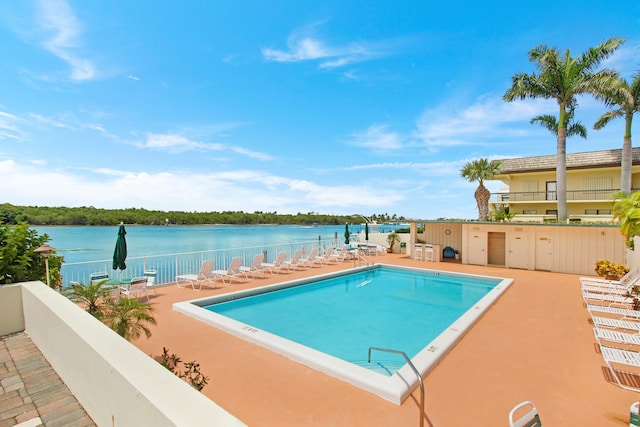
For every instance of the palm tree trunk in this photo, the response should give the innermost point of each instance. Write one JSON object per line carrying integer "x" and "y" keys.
{"x": 625, "y": 166}
{"x": 561, "y": 172}
{"x": 482, "y": 196}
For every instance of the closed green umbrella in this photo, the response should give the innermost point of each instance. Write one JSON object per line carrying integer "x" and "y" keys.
{"x": 120, "y": 252}
{"x": 366, "y": 231}
{"x": 346, "y": 234}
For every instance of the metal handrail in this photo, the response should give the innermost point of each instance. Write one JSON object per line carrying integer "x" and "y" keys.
{"x": 415, "y": 371}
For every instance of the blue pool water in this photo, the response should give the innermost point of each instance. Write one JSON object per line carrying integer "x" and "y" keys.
{"x": 344, "y": 316}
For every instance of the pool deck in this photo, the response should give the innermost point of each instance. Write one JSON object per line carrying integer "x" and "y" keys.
{"x": 536, "y": 343}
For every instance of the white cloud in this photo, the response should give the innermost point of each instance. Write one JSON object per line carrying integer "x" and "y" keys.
{"x": 377, "y": 138}
{"x": 63, "y": 29}
{"x": 490, "y": 118}
{"x": 176, "y": 143}
{"x": 190, "y": 191}
{"x": 9, "y": 128}
{"x": 304, "y": 46}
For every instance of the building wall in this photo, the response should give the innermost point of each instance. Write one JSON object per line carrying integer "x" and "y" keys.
{"x": 558, "y": 248}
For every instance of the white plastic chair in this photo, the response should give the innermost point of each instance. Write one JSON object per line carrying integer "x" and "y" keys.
{"x": 151, "y": 279}
{"x": 529, "y": 419}
{"x": 137, "y": 288}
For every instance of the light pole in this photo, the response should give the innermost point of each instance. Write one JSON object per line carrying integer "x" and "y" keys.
{"x": 45, "y": 250}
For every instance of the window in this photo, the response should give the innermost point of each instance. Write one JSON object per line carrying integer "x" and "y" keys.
{"x": 552, "y": 212}
{"x": 552, "y": 190}
{"x": 529, "y": 212}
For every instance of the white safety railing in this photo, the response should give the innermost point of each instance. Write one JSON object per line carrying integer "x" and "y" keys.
{"x": 167, "y": 267}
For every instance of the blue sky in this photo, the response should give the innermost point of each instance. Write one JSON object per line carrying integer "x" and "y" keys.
{"x": 289, "y": 106}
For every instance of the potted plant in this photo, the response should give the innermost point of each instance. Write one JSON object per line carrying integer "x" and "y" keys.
{"x": 610, "y": 270}
{"x": 392, "y": 238}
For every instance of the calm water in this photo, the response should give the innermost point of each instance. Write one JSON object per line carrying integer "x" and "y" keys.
{"x": 78, "y": 243}
{"x": 346, "y": 315}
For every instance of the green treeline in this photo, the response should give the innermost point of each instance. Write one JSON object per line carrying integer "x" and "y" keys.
{"x": 42, "y": 215}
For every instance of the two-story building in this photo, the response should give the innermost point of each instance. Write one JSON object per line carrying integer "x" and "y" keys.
{"x": 592, "y": 178}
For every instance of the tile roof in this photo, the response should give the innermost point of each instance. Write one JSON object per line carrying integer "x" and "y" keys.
{"x": 589, "y": 159}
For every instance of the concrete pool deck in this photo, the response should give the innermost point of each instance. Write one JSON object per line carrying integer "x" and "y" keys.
{"x": 536, "y": 343}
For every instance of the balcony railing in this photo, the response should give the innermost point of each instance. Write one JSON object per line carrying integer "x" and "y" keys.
{"x": 551, "y": 196}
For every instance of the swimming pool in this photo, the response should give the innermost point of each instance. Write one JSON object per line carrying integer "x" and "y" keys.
{"x": 329, "y": 322}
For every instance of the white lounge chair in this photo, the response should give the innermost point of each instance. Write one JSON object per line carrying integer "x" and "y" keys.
{"x": 255, "y": 269}
{"x": 328, "y": 257}
{"x": 607, "y": 322}
{"x": 632, "y": 275}
{"x": 614, "y": 356}
{"x": 606, "y": 298}
{"x": 294, "y": 262}
{"x": 276, "y": 266}
{"x": 611, "y": 335}
{"x": 203, "y": 275}
{"x": 311, "y": 260}
{"x": 605, "y": 290}
{"x": 528, "y": 419}
{"x": 621, "y": 313}
{"x": 231, "y": 273}
{"x": 137, "y": 288}
{"x": 343, "y": 255}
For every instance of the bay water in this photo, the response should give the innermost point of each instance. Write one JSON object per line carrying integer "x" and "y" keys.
{"x": 96, "y": 243}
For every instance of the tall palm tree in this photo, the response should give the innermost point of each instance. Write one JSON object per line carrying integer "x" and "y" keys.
{"x": 626, "y": 209}
{"x": 479, "y": 170}
{"x": 624, "y": 100}
{"x": 550, "y": 123}
{"x": 563, "y": 77}
{"x": 129, "y": 318}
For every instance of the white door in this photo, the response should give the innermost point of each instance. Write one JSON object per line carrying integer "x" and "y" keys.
{"x": 544, "y": 252}
{"x": 477, "y": 253}
{"x": 518, "y": 250}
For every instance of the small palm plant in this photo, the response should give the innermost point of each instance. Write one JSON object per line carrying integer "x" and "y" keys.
{"x": 392, "y": 239}
{"x": 91, "y": 296}
{"x": 129, "y": 318}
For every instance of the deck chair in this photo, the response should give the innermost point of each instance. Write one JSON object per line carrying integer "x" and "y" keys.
{"x": 617, "y": 337}
{"x": 620, "y": 313}
{"x": 136, "y": 288}
{"x": 607, "y": 322}
{"x": 608, "y": 299}
{"x": 628, "y": 359}
{"x": 294, "y": 262}
{"x": 255, "y": 269}
{"x": 343, "y": 255}
{"x": 328, "y": 257}
{"x": 151, "y": 280}
{"x": 203, "y": 275}
{"x": 631, "y": 276}
{"x": 98, "y": 277}
{"x": 605, "y": 290}
{"x": 530, "y": 419}
{"x": 231, "y": 273}
{"x": 276, "y": 266}
{"x": 310, "y": 260}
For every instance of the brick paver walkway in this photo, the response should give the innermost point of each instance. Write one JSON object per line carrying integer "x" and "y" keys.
{"x": 31, "y": 393}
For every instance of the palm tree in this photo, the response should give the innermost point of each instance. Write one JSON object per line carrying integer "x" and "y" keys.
{"x": 624, "y": 100}
{"x": 550, "y": 123}
{"x": 562, "y": 77}
{"x": 92, "y": 296}
{"x": 626, "y": 209}
{"x": 129, "y": 317}
{"x": 479, "y": 170}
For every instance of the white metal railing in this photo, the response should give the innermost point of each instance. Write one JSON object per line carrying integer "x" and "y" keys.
{"x": 168, "y": 266}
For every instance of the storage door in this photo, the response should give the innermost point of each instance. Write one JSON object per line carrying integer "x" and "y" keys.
{"x": 477, "y": 253}
{"x": 544, "y": 252}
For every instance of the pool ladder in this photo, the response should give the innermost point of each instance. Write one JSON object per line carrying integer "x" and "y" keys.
{"x": 361, "y": 259}
{"x": 413, "y": 368}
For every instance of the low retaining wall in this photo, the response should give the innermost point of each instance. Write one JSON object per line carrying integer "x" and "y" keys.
{"x": 116, "y": 383}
